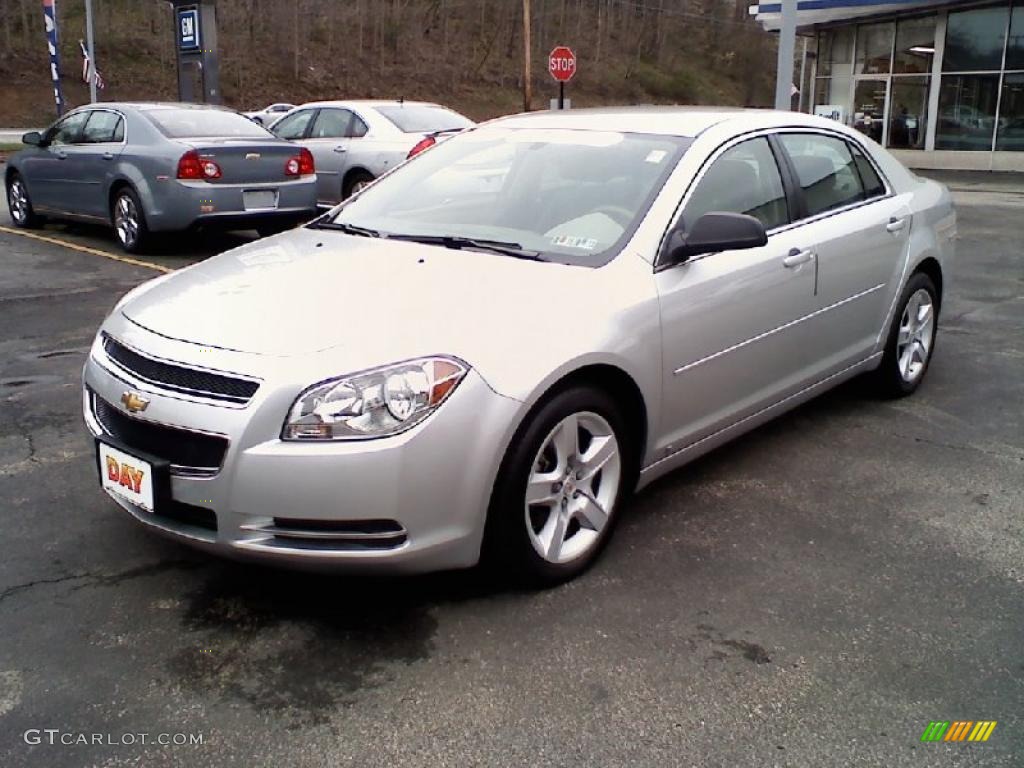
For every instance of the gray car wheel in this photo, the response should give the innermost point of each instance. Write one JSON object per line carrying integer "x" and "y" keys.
{"x": 19, "y": 204}
{"x": 129, "y": 221}
{"x": 567, "y": 473}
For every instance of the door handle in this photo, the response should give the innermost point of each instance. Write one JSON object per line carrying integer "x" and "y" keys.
{"x": 797, "y": 257}
{"x": 340, "y": 149}
{"x": 108, "y": 155}
{"x": 896, "y": 224}
{"x": 62, "y": 155}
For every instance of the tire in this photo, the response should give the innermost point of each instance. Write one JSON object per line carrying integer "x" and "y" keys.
{"x": 518, "y": 533}
{"x": 909, "y": 347}
{"x": 129, "y": 220}
{"x": 354, "y": 182}
{"x": 19, "y": 204}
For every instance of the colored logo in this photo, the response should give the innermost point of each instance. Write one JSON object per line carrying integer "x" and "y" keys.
{"x": 125, "y": 474}
{"x": 134, "y": 402}
{"x": 958, "y": 730}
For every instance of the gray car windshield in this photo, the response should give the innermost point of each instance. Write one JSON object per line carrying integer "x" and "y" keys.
{"x": 185, "y": 123}
{"x": 572, "y": 196}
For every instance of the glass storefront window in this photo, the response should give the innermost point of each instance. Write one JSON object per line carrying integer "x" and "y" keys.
{"x": 967, "y": 112}
{"x": 834, "y": 91}
{"x": 874, "y": 48}
{"x": 869, "y": 107}
{"x": 1010, "y": 136}
{"x": 835, "y": 51}
{"x": 908, "y": 113}
{"x": 974, "y": 39}
{"x": 915, "y": 45}
{"x": 1015, "y": 45}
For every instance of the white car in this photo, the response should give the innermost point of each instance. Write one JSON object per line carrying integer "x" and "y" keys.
{"x": 354, "y": 142}
{"x": 269, "y": 114}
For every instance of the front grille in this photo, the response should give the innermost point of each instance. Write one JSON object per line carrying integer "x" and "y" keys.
{"x": 178, "y": 378}
{"x": 333, "y": 535}
{"x": 181, "y": 447}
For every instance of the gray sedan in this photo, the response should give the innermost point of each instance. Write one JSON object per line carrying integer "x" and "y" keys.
{"x": 147, "y": 168}
{"x": 485, "y": 352}
{"x": 354, "y": 142}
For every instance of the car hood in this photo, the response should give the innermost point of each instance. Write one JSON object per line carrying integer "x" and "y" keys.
{"x": 307, "y": 290}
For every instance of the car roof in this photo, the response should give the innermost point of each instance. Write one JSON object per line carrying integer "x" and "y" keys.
{"x": 152, "y": 106}
{"x": 688, "y": 121}
{"x": 368, "y": 103}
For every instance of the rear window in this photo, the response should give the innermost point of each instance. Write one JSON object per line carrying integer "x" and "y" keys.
{"x": 417, "y": 118}
{"x": 193, "y": 123}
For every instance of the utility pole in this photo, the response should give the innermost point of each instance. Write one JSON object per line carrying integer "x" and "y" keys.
{"x": 787, "y": 44}
{"x": 91, "y": 74}
{"x": 527, "y": 85}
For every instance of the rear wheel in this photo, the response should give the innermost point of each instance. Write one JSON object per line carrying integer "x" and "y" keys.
{"x": 19, "y": 204}
{"x": 355, "y": 182}
{"x": 129, "y": 221}
{"x": 562, "y": 483}
{"x": 911, "y": 340}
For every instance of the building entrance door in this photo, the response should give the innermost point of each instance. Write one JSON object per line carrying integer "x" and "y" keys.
{"x": 871, "y": 106}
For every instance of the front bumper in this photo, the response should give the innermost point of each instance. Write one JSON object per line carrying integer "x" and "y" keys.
{"x": 408, "y": 503}
{"x": 179, "y": 205}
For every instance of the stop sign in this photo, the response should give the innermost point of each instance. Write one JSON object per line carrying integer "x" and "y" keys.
{"x": 562, "y": 63}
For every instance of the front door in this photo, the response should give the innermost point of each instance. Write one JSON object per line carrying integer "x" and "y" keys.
{"x": 95, "y": 160}
{"x": 870, "y": 107}
{"x": 50, "y": 171}
{"x": 732, "y": 338}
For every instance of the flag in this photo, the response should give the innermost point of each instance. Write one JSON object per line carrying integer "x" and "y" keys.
{"x": 50, "y": 19}
{"x": 87, "y": 65}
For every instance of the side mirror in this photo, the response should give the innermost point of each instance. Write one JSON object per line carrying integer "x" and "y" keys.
{"x": 33, "y": 139}
{"x": 715, "y": 231}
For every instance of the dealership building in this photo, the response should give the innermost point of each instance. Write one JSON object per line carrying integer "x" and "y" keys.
{"x": 940, "y": 83}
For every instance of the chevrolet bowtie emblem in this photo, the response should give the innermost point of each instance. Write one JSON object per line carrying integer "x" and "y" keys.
{"x": 134, "y": 402}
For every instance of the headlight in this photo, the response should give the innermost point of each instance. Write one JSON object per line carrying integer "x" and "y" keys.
{"x": 376, "y": 403}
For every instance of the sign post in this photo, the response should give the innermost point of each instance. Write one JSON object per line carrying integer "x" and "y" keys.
{"x": 562, "y": 67}
{"x": 195, "y": 40}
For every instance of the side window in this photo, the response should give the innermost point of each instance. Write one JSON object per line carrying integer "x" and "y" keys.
{"x": 824, "y": 169}
{"x": 744, "y": 179}
{"x": 68, "y": 130}
{"x": 103, "y": 127}
{"x": 873, "y": 186}
{"x": 358, "y": 128}
{"x": 331, "y": 124}
{"x": 294, "y": 126}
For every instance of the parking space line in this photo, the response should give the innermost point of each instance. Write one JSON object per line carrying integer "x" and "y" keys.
{"x": 86, "y": 249}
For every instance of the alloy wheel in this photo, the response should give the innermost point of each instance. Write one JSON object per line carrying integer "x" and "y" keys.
{"x": 572, "y": 487}
{"x": 17, "y": 199}
{"x": 916, "y": 334}
{"x": 126, "y": 220}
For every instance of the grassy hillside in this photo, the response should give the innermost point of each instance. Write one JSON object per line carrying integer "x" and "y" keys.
{"x": 466, "y": 53}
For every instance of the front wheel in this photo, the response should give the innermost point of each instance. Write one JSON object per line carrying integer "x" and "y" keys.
{"x": 19, "y": 204}
{"x": 911, "y": 341}
{"x": 129, "y": 221}
{"x": 565, "y": 477}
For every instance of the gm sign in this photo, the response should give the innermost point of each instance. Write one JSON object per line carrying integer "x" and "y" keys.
{"x": 188, "y": 29}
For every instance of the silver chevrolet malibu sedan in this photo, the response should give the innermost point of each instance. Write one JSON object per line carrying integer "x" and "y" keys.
{"x": 482, "y": 354}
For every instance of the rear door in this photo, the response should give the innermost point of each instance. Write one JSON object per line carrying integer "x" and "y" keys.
{"x": 96, "y": 157}
{"x": 50, "y": 171}
{"x": 329, "y": 140}
{"x": 732, "y": 338}
{"x": 859, "y": 230}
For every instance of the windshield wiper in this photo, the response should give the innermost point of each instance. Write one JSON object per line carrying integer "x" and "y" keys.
{"x": 458, "y": 243}
{"x": 348, "y": 229}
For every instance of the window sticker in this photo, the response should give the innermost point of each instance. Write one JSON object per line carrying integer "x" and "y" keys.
{"x": 568, "y": 241}
{"x": 655, "y": 156}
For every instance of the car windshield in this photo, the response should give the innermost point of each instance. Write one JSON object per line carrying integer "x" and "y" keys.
{"x": 421, "y": 118}
{"x": 573, "y": 196}
{"x": 187, "y": 123}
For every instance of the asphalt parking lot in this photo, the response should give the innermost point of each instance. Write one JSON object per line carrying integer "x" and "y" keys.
{"x": 811, "y": 595}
